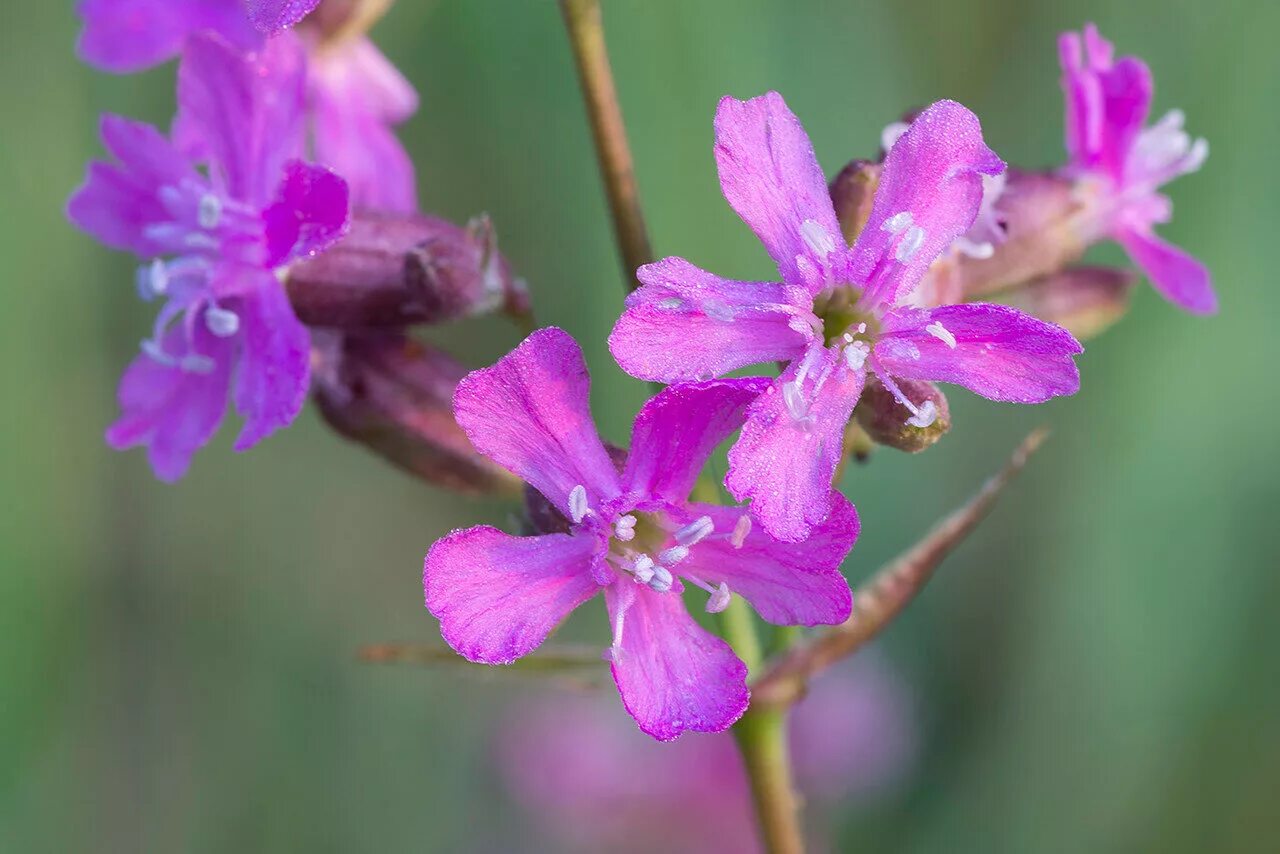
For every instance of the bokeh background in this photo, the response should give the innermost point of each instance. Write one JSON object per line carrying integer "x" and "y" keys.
{"x": 1096, "y": 670}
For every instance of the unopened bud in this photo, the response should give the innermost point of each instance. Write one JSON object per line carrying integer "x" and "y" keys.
{"x": 887, "y": 422}
{"x": 395, "y": 395}
{"x": 394, "y": 270}
{"x": 1084, "y": 300}
{"x": 853, "y": 193}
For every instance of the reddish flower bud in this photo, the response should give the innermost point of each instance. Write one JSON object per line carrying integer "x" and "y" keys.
{"x": 395, "y": 395}
{"x": 398, "y": 269}
{"x": 1085, "y": 300}
{"x": 886, "y": 420}
{"x": 852, "y": 193}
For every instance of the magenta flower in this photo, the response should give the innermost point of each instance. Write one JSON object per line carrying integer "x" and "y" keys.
{"x": 839, "y": 312}
{"x": 1108, "y": 102}
{"x": 633, "y": 536}
{"x": 214, "y": 240}
{"x": 354, "y": 94}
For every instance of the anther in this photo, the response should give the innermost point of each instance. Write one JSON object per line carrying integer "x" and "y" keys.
{"x": 891, "y": 134}
{"x": 910, "y": 244}
{"x": 817, "y": 238}
{"x": 673, "y": 555}
{"x": 855, "y": 355}
{"x": 937, "y": 330}
{"x": 740, "y": 531}
{"x": 793, "y": 399}
{"x": 209, "y": 213}
{"x": 197, "y": 363}
{"x": 153, "y": 279}
{"x": 662, "y": 579}
{"x": 221, "y": 322}
{"x": 718, "y": 311}
{"x": 670, "y": 303}
{"x": 625, "y": 528}
{"x": 925, "y": 415}
{"x": 643, "y": 569}
{"x": 719, "y": 599}
{"x": 695, "y": 532}
{"x": 897, "y": 222}
{"x": 578, "y": 508}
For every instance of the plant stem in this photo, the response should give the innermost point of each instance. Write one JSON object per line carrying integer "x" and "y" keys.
{"x": 761, "y": 734}
{"x": 582, "y": 19}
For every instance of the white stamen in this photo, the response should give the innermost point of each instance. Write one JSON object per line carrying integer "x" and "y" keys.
{"x": 718, "y": 311}
{"x": 643, "y": 569}
{"x": 937, "y": 330}
{"x": 719, "y": 599}
{"x": 196, "y": 240}
{"x": 197, "y": 363}
{"x": 978, "y": 251}
{"x": 1196, "y": 157}
{"x": 221, "y": 322}
{"x": 670, "y": 303}
{"x": 817, "y": 238}
{"x": 793, "y": 399}
{"x": 740, "y": 531}
{"x": 695, "y": 532}
{"x": 855, "y": 355}
{"x": 673, "y": 555}
{"x": 891, "y": 134}
{"x": 662, "y": 579}
{"x": 156, "y": 353}
{"x": 625, "y": 528}
{"x": 614, "y": 653}
{"x": 210, "y": 211}
{"x": 925, "y": 416}
{"x": 578, "y": 508}
{"x": 910, "y": 244}
{"x": 897, "y": 222}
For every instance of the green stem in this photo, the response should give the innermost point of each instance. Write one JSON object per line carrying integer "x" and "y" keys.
{"x": 762, "y": 739}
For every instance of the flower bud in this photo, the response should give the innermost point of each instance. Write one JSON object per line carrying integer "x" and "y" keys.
{"x": 1084, "y": 300}
{"x": 885, "y": 419}
{"x": 395, "y": 395}
{"x": 852, "y": 193}
{"x": 396, "y": 269}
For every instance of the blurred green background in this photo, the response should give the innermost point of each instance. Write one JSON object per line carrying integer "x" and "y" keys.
{"x": 1097, "y": 667}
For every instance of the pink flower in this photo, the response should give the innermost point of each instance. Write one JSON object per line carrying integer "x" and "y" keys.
{"x": 1108, "y": 102}
{"x": 840, "y": 312}
{"x": 354, "y": 95}
{"x": 633, "y": 536}
{"x": 214, "y": 239}
{"x": 595, "y": 786}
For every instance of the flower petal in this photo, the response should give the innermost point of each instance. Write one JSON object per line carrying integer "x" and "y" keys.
{"x": 275, "y": 362}
{"x": 1180, "y": 278}
{"x": 497, "y": 596}
{"x": 309, "y": 213}
{"x": 172, "y": 412}
{"x": 530, "y": 414}
{"x": 787, "y": 583}
{"x": 129, "y": 35}
{"x": 686, "y": 324}
{"x": 357, "y": 95}
{"x": 677, "y": 430}
{"x": 674, "y": 675}
{"x": 993, "y": 350}
{"x": 792, "y": 442}
{"x": 243, "y": 112}
{"x": 933, "y": 173}
{"x": 1108, "y": 101}
{"x": 272, "y": 16}
{"x": 116, "y": 203}
{"x": 771, "y": 178}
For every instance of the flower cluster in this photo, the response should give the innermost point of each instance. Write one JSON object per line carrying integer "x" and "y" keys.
{"x": 934, "y": 263}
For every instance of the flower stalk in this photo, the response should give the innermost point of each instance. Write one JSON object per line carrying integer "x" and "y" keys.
{"x": 585, "y": 26}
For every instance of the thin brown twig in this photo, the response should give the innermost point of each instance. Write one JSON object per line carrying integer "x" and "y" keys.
{"x": 586, "y": 36}
{"x": 889, "y": 591}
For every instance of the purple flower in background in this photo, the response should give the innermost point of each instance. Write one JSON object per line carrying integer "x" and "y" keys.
{"x": 1108, "y": 101}
{"x": 633, "y": 536}
{"x": 595, "y": 785}
{"x": 214, "y": 240}
{"x": 839, "y": 312}
{"x": 354, "y": 95}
